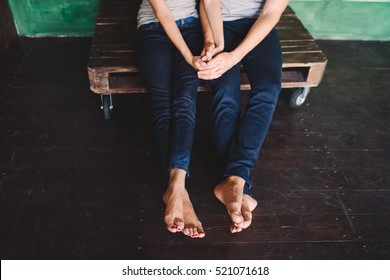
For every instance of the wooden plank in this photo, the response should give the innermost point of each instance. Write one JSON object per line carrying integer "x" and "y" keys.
{"x": 127, "y": 46}
{"x": 113, "y": 63}
{"x": 124, "y": 49}
{"x": 115, "y": 13}
{"x": 104, "y": 83}
{"x": 303, "y": 59}
{"x": 110, "y": 32}
{"x": 294, "y": 59}
{"x": 294, "y": 34}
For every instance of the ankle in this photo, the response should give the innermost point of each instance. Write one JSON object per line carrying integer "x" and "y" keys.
{"x": 236, "y": 180}
{"x": 177, "y": 179}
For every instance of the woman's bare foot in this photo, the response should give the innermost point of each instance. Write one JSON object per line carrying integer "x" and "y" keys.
{"x": 192, "y": 225}
{"x": 174, "y": 218}
{"x": 238, "y": 205}
{"x": 179, "y": 212}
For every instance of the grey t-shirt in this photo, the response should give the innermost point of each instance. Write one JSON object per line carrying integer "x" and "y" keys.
{"x": 179, "y": 9}
{"x": 236, "y": 9}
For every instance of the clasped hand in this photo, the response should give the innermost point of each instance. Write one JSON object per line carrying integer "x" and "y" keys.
{"x": 213, "y": 62}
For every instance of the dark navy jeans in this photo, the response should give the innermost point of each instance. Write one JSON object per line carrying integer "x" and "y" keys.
{"x": 239, "y": 135}
{"x": 172, "y": 85}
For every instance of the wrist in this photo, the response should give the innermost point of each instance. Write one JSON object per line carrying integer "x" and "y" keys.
{"x": 189, "y": 59}
{"x": 236, "y": 55}
{"x": 208, "y": 37}
{"x": 209, "y": 43}
{"x": 188, "y": 56}
{"x": 220, "y": 46}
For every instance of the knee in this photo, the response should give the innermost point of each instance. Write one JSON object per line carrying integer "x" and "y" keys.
{"x": 161, "y": 118}
{"x": 185, "y": 101}
{"x": 184, "y": 107}
{"x": 227, "y": 98}
{"x": 267, "y": 93}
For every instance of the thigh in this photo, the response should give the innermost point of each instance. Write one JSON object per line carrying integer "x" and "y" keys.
{"x": 154, "y": 58}
{"x": 234, "y": 32}
{"x": 193, "y": 37}
{"x": 264, "y": 63}
{"x": 227, "y": 87}
{"x": 185, "y": 78}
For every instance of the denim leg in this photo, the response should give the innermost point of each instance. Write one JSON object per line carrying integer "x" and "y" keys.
{"x": 226, "y": 108}
{"x": 183, "y": 108}
{"x": 154, "y": 60}
{"x": 172, "y": 85}
{"x": 264, "y": 67}
{"x": 226, "y": 98}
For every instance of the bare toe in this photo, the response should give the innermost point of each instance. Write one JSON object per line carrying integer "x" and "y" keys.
{"x": 174, "y": 211}
{"x": 186, "y": 231}
{"x": 201, "y": 233}
{"x": 230, "y": 193}
{"x": 193, "y": 227}
{"x": 235, "y": 214}
{"x": 174, "y": 226}
{"x": 248, "y": 205}
{"x": 198, "y": 232}
{"x": 234, "y": 228}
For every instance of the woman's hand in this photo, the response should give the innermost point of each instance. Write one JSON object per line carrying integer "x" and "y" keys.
{"x": 207, "y": 52}
{"x": 197, "y": 63}
{"x": 210, "y": 50}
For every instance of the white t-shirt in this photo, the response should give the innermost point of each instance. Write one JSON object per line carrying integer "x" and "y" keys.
{"x": 237, "y": 9}
{"x": 180, "y": 9}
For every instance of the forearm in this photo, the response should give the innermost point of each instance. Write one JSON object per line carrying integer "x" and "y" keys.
{"x": 207, "y": 32}
{"x": 267, "y": 20}
{"x": 212, "y": 10}
{"x": 169, "y": 25}
{"x": 175, "y": 36}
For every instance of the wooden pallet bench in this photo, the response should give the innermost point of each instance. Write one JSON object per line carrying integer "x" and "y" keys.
{"x": 112, "y": 69}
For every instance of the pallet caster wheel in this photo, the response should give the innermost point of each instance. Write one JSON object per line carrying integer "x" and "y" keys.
{"x": 299, "y": 96}
{"x": 106, "y": 106}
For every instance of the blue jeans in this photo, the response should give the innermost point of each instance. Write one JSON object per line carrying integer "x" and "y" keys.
{"x": 172, "y": 85}
{"x": 239, "y": 136}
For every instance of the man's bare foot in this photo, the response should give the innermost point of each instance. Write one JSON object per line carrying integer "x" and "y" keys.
{"x": 179, "y": 212}
{"x": 238, "y": 205}
{"x": 247, "y": 206}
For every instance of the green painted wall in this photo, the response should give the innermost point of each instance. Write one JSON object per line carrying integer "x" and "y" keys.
{"x": 55, "y": 17}
{"x": 325, "y": 19}
{"x": 345, "y": 19}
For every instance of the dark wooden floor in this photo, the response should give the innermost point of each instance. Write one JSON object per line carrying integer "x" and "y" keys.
{"x": 73, "y": 186}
